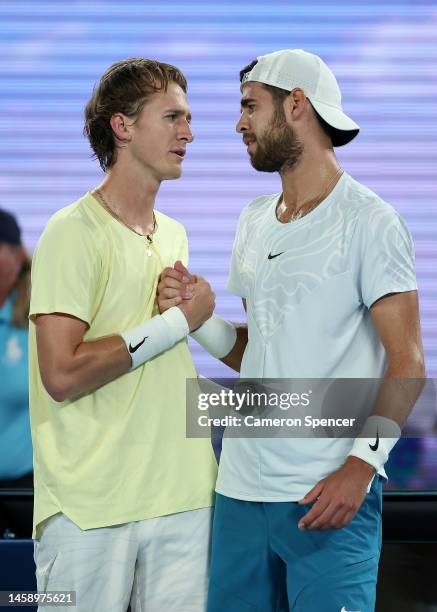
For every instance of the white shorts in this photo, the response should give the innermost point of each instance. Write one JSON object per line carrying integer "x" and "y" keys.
{"x": 155, "y": 565}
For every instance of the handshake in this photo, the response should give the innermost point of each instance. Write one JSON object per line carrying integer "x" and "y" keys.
{"x": 192, "y": 294}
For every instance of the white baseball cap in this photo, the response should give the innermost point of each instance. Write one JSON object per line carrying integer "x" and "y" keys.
{"x": 292, "y": 68}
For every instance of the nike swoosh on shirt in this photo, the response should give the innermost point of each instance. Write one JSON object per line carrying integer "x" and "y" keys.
{"x": 132, "y": 349}
{"x": 374, "y": 447}
{"x": 270, "y": 256}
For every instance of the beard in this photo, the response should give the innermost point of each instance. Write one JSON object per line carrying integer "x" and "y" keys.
{"x": 278, "y": 149}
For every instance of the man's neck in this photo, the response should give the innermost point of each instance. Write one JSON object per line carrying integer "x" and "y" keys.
{"x": 131, "y": 196}
{"x": 309, "y": 178}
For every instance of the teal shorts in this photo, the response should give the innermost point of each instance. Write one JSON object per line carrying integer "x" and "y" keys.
{"x": 262, "y": 562}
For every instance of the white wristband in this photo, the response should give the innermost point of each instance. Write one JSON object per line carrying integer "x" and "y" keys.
{"x": 379, "y": 435}
{"x": 217, "y": 336}
{"x": 155, "y": 336}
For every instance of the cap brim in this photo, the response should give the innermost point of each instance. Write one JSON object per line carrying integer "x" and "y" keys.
{"x": 343, "y": 128}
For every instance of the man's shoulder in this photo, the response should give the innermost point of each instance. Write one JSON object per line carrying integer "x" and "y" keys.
{"x": 169, "y": 224}
{"x": 376, "y": 218}
{"x": 257, "y": 207}
{"x": 79, "y": 219}
{"x": 366, "y": 203}
{"x": 262, "y": 201}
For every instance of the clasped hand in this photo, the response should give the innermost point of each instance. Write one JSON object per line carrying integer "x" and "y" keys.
{"x": 192, "y": 294}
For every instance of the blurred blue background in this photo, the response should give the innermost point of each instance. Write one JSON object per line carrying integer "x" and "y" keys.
{"x": 384, "y": 54}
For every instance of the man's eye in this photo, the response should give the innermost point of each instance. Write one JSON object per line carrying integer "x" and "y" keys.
{"x": 172, "y": 116}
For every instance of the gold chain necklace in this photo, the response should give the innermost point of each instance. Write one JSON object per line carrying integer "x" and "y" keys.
{"x": 112, "y": 212}
{"x": 300, "y": 213}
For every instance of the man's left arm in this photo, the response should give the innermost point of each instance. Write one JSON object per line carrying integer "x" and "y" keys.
{"x": 339, "y": 496}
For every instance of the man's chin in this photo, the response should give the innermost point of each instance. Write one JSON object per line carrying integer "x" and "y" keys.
{"x": 261, "y": 166}
{"x": 173, "y": 174}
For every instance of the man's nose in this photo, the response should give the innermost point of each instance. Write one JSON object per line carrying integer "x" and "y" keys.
{"x": 186, "y": 133}
{"x": 242, "y": 124}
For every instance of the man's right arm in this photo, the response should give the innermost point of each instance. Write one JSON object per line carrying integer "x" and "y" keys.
{"x": 70, "y": 366}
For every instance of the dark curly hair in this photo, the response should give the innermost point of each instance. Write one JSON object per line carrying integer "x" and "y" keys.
{"x": 123, "y": 88}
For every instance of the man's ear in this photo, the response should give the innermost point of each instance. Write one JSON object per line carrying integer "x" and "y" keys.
{"x": 121, "y": 126}
{"x": 295, "y": 103}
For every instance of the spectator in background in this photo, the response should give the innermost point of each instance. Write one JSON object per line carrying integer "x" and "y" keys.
{"x": 15, "y": 440}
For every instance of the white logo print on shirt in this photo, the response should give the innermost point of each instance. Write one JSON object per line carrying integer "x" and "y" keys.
{"x": 14, "y": 351}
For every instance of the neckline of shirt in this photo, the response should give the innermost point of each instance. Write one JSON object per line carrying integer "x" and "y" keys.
{"x": 106, "y": 214}
{"x": 312, "y": 214}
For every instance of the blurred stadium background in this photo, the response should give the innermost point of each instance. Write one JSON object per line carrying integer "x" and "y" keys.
{"x": 384, "y": 54}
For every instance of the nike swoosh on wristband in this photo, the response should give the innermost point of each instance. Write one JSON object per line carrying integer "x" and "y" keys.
{"x": 344, "y": 610}
{"x": 132, "y": 349}
{"x": 270, "y": 256}
{"x": 374, "y": 447}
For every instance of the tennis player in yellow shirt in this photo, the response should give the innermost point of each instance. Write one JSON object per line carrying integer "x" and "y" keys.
{"x": 122, "y": 498}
